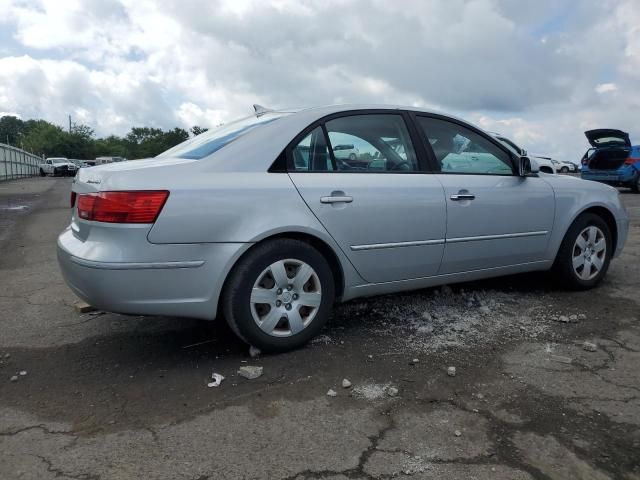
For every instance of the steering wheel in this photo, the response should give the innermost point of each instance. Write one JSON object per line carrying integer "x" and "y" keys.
{"x": 404, "y": 165}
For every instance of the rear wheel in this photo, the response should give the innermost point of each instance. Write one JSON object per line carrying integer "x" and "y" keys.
{"x": 279, "y": 296}
{"x": 585, "y": 253}
{"x": 42, "y": 173}
{"x": 636, "y": 184}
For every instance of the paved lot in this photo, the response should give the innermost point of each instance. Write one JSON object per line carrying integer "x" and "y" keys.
{"x": 108, "y": 396}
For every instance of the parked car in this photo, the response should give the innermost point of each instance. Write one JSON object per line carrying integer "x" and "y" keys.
{"x": 58, "y": 166}
{"x": 545, "y": 163}
{"x": 255, "y": 221}
{"x": 568, "y": 167}
{"x": 612, "y": 159}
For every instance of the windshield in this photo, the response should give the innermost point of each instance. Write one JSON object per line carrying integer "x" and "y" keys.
{"x": 213, "y": 140}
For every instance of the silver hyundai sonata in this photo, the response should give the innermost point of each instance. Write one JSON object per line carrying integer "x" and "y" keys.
{"x": 262, "y": 222}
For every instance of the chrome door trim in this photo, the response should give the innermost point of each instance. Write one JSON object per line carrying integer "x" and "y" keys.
{"x": 497, "y": 237}
{"x": 378, "y": 246}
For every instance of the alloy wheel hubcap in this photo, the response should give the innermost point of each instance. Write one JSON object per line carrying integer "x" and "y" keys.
{"x": 285, "y": 298}
{"x": 589, "y": 253}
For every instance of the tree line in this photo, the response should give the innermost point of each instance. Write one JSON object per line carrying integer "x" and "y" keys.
{"x": 80, "y": 142}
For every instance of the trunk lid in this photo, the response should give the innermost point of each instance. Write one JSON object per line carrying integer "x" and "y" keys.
{"x": 608, "y": 137}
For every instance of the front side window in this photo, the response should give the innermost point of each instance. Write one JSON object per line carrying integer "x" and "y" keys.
{"x": 461, "y": 150}
{"x": 371, "y": 143}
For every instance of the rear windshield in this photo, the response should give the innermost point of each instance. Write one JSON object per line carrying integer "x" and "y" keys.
{"x": 603, "y": 140}
{"x": 213, "y": 140}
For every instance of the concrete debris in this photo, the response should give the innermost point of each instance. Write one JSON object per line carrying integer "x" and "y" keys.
{"x": 249, "y": 372}
{"x": 346, "y": 383}
{"x": 457, "y": 433}
{"x": 23, "y": 373}
{"x": 254, "y": 352}
{"x": 563, "y": 319}
{"x": 83, "y": 307}
{"x": 561, "y": 359}
{"x": 392, "y": 391}
{"x": 332, "y": 393}
{"x": 589, "y": 347}
{"x": 14, "y": 378}
{"x": 217, "y": 380}
{"x": 451, "y": 371}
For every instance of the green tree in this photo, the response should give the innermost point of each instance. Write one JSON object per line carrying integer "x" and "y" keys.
{"x": 11, "y": 130}
{"x": 196, "y": 130}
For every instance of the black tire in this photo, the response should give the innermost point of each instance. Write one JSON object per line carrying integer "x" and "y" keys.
{"x": 42, "y": 173}
{"x": 352, "y": 156}
{"x": 237, "y": 292}
{"x": 55, "y": 172}
{"x": 546, "y": 169}
{"x": 563, "y": 266}
{"x": 564, "y": 170}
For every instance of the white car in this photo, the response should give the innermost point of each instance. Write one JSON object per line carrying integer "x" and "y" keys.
{"x": 58, "y": 166}
{"x": 545, "y": 163}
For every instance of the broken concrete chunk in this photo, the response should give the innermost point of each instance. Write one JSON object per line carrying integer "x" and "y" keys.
{"x": 589, "y": 347}
{"x": 217, "y": 380}
{"x": 249, "y": 372}
{"x": 457, "y": 433}
{"x": 392, "y": 391}
{"x": 451, "y": 371}
{"x": 346, "y": 383}
{"x": 83, "y": 307}
{"x": 14, "y": 378}
{"x": 563, "y": 319}
{"x": 332, "y": 393}
{"x": 23, "y": 373}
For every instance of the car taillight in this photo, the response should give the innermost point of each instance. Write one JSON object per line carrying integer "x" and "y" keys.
{"x": 122, "y": 207}
{"x": 73, "y": 199}
{"x": 631, "y": 161}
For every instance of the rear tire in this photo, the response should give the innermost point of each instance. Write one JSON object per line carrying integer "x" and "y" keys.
{"x": 635, "y": 186}
{"x": 42, "y": 173}
{"x": 585, "y": 253}
{"x": 294, "y": 309}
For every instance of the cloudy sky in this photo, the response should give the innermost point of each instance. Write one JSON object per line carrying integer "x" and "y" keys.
{"x": 541, "y": 72}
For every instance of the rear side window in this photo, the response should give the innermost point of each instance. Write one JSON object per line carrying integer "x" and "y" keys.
{"x": 213, "y": 140}
{"x": 461, "y": 150}
{"x": 312, "y": 153}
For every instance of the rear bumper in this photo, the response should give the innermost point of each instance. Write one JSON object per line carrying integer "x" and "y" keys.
{"x": 182, "y": 280}
{"x": 614, "y": 178}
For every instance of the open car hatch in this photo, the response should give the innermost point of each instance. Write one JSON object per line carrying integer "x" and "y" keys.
{"x": 611, "y": 148}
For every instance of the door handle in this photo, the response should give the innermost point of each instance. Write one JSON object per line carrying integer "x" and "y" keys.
{"x": 336, "y": 199}
{"x": 462, "y": 196}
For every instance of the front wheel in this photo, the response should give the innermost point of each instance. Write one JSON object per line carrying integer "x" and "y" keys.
{"x": 564, "y": 170}
{"x": 42, "y": 173}
{"x": 279, "y": 296}
{"x": 585, "y": 253}
{"x": 636, "y": 184}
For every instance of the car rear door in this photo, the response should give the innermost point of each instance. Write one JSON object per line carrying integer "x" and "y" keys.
{"x": 385, "y": 212}
{"x": 494, "y": 217}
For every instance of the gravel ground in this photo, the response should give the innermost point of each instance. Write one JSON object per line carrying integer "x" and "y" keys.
{"x": 546, "y": 382}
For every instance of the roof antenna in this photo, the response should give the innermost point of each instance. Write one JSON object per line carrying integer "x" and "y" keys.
{"x": 260, "y": 110}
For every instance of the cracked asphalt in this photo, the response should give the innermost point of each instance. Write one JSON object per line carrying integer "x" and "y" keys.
{"x": 107, "y": 396}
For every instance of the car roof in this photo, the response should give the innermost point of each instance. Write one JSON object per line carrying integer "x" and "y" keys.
{"x": 257, "y": 149}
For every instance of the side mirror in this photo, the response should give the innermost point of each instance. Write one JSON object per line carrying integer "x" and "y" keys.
{"x": 526, "y": 166}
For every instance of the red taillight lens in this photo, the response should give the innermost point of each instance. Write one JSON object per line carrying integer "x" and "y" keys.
{"x": 122, "y": 207}
{"x": 73, "y": 199}
{"x": 631, "y": 161}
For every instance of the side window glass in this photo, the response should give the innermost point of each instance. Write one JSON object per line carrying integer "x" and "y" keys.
{"x": 371, "y": 143}
{"x": 312, "y": 153}
{"x": 461, "y": 150}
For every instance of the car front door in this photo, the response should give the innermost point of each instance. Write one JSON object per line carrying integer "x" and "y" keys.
{"x": 495, "y": 218}
{"x": 387, "y": 215}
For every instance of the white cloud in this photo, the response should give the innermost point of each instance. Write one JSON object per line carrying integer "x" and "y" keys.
{"x": 540, "y": 72}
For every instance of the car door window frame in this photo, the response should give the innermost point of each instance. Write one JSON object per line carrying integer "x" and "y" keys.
{"x": 415, "y": 116}
{"x": 423, "y": 165}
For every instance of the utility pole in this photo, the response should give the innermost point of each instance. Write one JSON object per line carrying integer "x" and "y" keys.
{"x": 69, "y": 123}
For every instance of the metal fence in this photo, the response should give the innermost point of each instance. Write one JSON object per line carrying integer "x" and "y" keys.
{"x": 16, "y": 163}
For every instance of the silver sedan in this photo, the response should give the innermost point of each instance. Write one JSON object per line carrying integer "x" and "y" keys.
{"x": 260, "y": 222}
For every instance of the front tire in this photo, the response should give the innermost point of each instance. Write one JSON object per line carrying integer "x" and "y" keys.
{"x": 279, "y": 296}
{"x": 564, "y": 170}
{"x": 585, "y": 253}
{"x": 635, "y": 187}
{"x": 42, "y": 173}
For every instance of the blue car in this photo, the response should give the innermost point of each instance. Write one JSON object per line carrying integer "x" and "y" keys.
{"x": 612, "y": 159}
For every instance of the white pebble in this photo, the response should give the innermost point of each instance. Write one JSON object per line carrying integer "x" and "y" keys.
{"x": 23, "y": 373}
{"x": 392, "y": 392}
{"x": 457, "y": 433}
{"x": 332, "y": 393}
{"x": 451, "y": 371}
{"x": 346, "y": 383}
